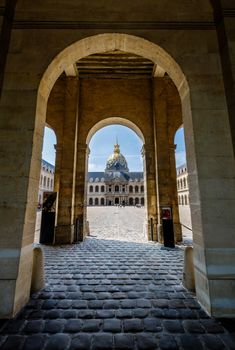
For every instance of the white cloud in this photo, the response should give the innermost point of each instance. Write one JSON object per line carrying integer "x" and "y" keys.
{"x": 95, "y": 167}
{"x": 180, "y": 158}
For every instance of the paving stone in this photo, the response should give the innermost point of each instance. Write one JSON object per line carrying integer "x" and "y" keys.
{"x": 213, "y": 342}
{"x": 152, "y": 324}
{"x": 168, "y": 342}
{"x": 105, "y": 313}
{"x": 68, "y": 314}
{"x": 35, "y": 315}
{"x": 73, "y": 295}
{"x": 104, "y": 296}
{"x": 125, "y": 313}
{"x": 72, "y": 326}
{"x": 89, "y": 296}
{"x": 64, "y": 304}
{"x": 53, "y": 326}
{"x": 102, "y": 341}
{"x": 128, "y": 304}
{"x": 13, "y": 342}
{"x": 79, "y": 304}
{"x": 13, "y": 326}
{"x": 111, "y": 304}
{"x": 96, "y": 304}
{"x": 34, "y": 342}
{"x": 49, "y": 304}
{"x": 124, "y": 341}
{"x": 58, "y": 341}
{"x": 146, "y": 341}
{"x": 34, "y": 326}
{"x": 191, "y": 342}
{"x": 112, "y": 325}
{"x": 229, "y": 340}
{"x": 91, "y": 325}
{"x": 140, "y": 313}
{"x": 85, "y": 313}
{"x": 193, "y": 326}
{"x": 52, "y": 314}
{"x": 81, "y": 342}
{"x": 133, "y": 325}
{"x": 143, "y": 303}
{"x": 173, "y": 326}
{"x": 211, "y": 326}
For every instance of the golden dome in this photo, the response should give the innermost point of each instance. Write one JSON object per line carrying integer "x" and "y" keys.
{"x": 116, "y": 161}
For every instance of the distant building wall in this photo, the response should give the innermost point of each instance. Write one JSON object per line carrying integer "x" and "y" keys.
{"x": 183, "y": 196}
{"x": 46, "y": 182}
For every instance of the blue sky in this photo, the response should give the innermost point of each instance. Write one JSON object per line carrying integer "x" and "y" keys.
{"x": 101, "y": 146}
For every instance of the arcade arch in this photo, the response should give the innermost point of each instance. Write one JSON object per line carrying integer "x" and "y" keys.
{"x": 208, "y": 252}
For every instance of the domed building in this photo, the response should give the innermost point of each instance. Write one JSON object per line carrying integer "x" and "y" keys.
{"x": 116, "y": 185}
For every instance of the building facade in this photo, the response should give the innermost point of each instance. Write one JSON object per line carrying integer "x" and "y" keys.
{"x": 46, "y": 183}
{"x": 116, "y": 185}
{"x": 183, "y": 196}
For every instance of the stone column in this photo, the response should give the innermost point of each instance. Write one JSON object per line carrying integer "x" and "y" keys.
{"x": 58, "y": 157}
{"x": 211, "y": 175}
{"x": 20, "y": 163}
{"x": 165, "y": 154}
{"x": 150, "y": 193}
{"x": 174, "y": 198}
{"x": 80, "y": 205}
{"x": 64, "y": 229}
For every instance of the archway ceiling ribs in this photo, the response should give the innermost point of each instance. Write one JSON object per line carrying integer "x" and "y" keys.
{"x": 115, "y": 64}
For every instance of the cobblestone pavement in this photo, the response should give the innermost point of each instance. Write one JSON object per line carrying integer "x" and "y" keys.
{"x": 118, "y": 223}
{"x": 110, "y": 294}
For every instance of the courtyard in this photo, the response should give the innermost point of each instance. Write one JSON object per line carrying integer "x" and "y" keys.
{"x": 114, "y": 291}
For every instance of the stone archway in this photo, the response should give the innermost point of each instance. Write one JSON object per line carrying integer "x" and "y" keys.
{"x": 206, "y": 173}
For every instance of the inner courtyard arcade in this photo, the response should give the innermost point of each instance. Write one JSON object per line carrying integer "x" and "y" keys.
{"x": 151, "y": 67}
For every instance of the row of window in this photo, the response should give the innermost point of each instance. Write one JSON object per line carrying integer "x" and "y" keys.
{"x": 101, "y": 201}
{"x": 102, "y": 179}
{"x": 182, "y": 183}
{"x": 117, "y": 188}
{"x": 46, "y": 182}
{"x": 183, "y": 200}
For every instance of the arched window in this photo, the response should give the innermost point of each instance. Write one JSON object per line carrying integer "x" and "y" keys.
{"x": 142, "y": 188}
{"x": 136, "y": 189}
{"x": 90, "y": 201}
{"x": 51, "y": 184}
{"x": 182, "y": 200}
{"x": 184, "y": 180}
{"x": 131, "y": 201}
{"x": 131, "y": 189}
{"x": 48, "y": 182}
{"x": 116, "y": 188}
{"x": 97, "y": 201}
{"x": 44, "y": 181}
{"x": 137, "y": 200}
{"x": 185, "y": 200}
{"x": 91, "y": 189}
{"x": 142, "y": 201}
{"x": 96, "y": 188}
{"x": 181, "y": 183}
{"x": 179, "y": 199}
{"x": 102, "y": 188}
{"x": 41, "y": 177}
{"x": 102, "y": 201}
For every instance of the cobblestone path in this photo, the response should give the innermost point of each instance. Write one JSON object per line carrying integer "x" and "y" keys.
{"x": 105, "y": 294}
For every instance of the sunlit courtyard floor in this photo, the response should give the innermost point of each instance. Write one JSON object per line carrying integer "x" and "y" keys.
{"x": 118, "y": 223}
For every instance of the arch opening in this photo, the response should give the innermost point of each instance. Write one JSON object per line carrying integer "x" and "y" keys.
{"x": 116, "y": 175}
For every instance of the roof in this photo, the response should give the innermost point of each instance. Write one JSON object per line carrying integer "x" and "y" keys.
{"x": 126, "y": 176}
{"x": 48, "y": 165}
